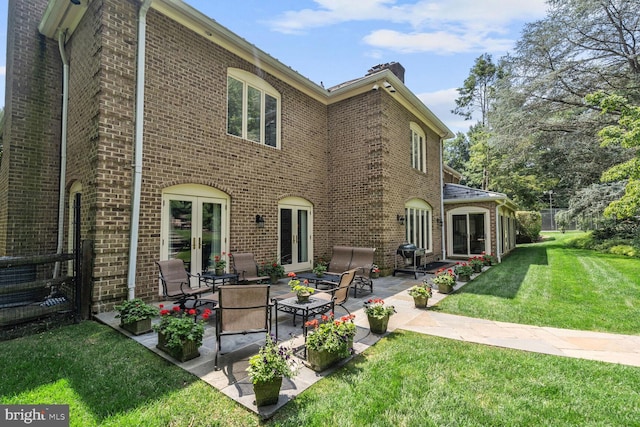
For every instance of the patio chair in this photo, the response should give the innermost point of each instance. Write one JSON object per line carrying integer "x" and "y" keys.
{"x": 362, "y": 259}
{"x": 340, "y": 294}
{"x": 176, "y": 283}
{"x": 246, "y": 267}
{"x": 242, "y": 309}
{"x": 340, "y": 260}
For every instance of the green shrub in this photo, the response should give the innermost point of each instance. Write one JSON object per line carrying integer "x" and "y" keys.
{"x": 627, "y": 250}
{"x": 529, "y": 226}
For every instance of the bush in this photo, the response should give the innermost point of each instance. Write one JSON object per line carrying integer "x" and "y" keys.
{"x": 529, "y": 226}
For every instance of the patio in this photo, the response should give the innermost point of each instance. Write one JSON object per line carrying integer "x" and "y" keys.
{"x": 232, "y": 378}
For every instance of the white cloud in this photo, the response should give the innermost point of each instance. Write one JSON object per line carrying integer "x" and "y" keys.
{"x": 3, "y": 71}
{"x": 441, "y": 103}
{"x": 443, "y": 26}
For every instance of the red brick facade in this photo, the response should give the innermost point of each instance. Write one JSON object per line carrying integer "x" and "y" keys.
{"x": 349, "y": 158}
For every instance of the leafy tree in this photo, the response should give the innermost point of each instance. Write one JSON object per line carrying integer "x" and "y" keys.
{"x": 456, "y": 152}
{"x": 529, "y": 225}
{"x": 626, "y": 134}
{"x": 477, "y": 91}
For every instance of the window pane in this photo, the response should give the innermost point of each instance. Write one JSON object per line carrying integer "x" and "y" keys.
{"x": 234, "y": 106}
{"x": 270, "y": 122}
{"x": 254, "y": 101}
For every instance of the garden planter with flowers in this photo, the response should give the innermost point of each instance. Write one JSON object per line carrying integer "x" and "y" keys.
{"x": 135, "y": 316}
{"x": 272, "y": 269}
{"x": 329, "y": 341}
{"x": 303, "y": 292}
{"x": 179, "y": 333}
{"x": 476, "y": 263}
{"x": 219, "y": 264}
{"x": 267, "y": 368}
{"x": 421, "y": 294}
{"x": 378, "y": 315}
{"x": 375, "y": 271}
{"x": 445, "y": 280}
{"x": 464, "y": 271}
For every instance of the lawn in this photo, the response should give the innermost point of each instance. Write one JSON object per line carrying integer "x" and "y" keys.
{"x": 548, "y": 284}
{"x": 406, "y": 379}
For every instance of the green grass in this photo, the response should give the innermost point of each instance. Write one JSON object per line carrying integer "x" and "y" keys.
{"x": 406, "y": 379}
{"x": 548, "y": 284}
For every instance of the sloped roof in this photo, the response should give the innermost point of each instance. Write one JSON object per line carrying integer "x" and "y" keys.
{"x": 456, "y": 193}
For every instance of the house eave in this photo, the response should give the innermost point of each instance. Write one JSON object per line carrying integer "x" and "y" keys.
{"x": 61, "y": 15}
{"x": 504, "y": 201}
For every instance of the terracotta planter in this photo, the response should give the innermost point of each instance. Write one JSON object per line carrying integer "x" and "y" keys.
{"x": 421, "y": 301}
{"x": 137, "y": 328}
{"x": 267, "y": 393}
{"x": 378, "y": 325}
{"x": 188, "y": 351}
{"x": 445, "y": 289}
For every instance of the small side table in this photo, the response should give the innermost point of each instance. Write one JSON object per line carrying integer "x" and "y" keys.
{"x": 314, "y": 307}
{"x": 210, "y": 279}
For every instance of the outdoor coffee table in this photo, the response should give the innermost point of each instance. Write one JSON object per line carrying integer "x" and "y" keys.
{"x": 309, "y": 309}
{"x": 210, "y": 279}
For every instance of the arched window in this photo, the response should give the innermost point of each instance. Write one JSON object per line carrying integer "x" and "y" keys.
{"x": 418, "y": 216}
{"x": 253, "y": 108}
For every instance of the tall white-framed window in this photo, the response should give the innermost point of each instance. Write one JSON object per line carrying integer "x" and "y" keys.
{"x": 418, "y": 230}
{"x": 418, "y": 148}
{"x": 253, "y": 108}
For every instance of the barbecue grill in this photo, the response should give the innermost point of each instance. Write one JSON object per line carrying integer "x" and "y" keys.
{"x": 408, "y": 259}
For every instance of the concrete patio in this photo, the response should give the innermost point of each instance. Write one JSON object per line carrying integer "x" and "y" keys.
{"x": 232, "y": 379}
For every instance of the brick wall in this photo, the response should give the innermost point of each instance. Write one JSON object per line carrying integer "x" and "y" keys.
{"x": 30, "y": 163}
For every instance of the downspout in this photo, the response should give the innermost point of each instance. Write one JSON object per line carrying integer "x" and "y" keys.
{"x": 443, "y": 237}
{"x": 62, "y": 35}
{"x": 137, "y": 166}
{"x": 498, "y": 232}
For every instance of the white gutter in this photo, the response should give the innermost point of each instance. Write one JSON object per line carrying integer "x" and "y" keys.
{"x": 63, "y": 146}
{"x": 443, "y": 238}
{"x": 137, "y": 166}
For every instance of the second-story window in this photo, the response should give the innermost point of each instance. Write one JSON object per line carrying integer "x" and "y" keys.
{"x": 253, "y": 108}
{"x": 418, "y": 148}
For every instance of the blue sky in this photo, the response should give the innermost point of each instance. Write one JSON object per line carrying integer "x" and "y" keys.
{"x": 332, "y": 41}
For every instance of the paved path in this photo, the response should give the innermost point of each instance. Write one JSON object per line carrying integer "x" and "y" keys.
{"x": 232, "y": 379}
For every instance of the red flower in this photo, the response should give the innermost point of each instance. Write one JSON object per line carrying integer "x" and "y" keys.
{"x": 192, "y": 312}
{"x": 161, "y": 305}
{"x": 291, "y": 274}
{"x": 176, "y": 308}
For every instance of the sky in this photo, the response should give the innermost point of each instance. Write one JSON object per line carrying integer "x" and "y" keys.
{"x": 333, "y": 41}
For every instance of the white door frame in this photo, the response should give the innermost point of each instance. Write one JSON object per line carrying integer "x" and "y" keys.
{"x": 296, "y": 204}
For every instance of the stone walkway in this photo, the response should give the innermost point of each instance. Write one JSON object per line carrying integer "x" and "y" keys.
{"x": 233, "y": 381}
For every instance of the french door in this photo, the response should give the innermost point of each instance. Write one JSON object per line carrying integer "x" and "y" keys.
{"x": 295, "y": 230}
{"x": 194, "y": 230}
{"x": 469, "y": 234}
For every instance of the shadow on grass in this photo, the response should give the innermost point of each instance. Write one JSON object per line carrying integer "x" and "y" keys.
{"x": 108, "y": 372}
{"x": 505, "y": 279}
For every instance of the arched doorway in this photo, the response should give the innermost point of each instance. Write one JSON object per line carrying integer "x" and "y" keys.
{"x": 295, "y": 231}
{"x": 470, "y": 232}
{"x": 194, "y": 225}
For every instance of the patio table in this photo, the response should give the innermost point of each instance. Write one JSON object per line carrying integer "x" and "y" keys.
{"x": 315, "y": 280}
{"x": 309, "y": 309}
{"x": 209, "y": 278}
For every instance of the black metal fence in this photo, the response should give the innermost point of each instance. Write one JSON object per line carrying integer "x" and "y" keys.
{"x": 43, "y": 291}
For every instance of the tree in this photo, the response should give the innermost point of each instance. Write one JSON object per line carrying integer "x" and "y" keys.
{"x": 456, "y": 152}
{"x": 626, "y": 134}
{"x": 477, "y": 91}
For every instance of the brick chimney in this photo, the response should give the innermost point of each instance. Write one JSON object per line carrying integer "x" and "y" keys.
{"x": 395, "y": 67}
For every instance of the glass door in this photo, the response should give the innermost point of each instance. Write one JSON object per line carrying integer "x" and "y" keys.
{"x": 194, "y": 231}
{"x": 295, "y": 243}
{"x": 468, "y": 234}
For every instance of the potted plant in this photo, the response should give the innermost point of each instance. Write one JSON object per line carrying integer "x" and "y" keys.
{"x": 135, "y": 316}
{"x": 464, "y": 271}
{"x": 320, "y": 269}
{"x": 303, "y": 291}
{"x": 267, "y": 368}
{"x": 272, "y": 269}
{"x": 329, "y": 340}
{"x": 219, "y": 264}
{"x": 445, "y": 280}
{"x": 375, "y": 271}
{"x": 421, "y": 294}
{"x": 476, "y": 263}
{"x": 179, "y": 333}
{"x": 378, "y": 315}
{"x": 488, "y": 259}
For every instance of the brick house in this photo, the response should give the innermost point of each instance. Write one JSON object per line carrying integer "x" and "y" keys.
{"x": 195, "y": 143}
